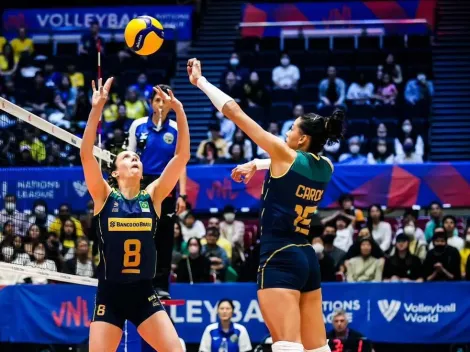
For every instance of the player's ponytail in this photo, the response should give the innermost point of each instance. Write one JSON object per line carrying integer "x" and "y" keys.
{"x": 334, "y": 127}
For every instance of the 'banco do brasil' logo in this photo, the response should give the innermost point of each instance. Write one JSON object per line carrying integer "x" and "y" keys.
{"x": 122, "y": 224}
{"x": 389, "y": 309}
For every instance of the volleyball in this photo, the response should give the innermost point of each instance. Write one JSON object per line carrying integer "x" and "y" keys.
{"x": 144, "y": 35}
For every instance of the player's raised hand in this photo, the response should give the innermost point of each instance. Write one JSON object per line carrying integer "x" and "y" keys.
{"x": 194, "y": 70}
{"x": 100, "y": 94}
{"x": 169, "y": 98}
{"x": 244, "y": 172}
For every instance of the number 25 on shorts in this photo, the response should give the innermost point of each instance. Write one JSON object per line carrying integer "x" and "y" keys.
{"x": 302, "y": 223}
{"x": 132, "y": 256}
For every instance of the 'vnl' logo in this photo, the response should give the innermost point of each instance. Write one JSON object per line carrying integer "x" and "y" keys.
{"x": 389, "y": 309}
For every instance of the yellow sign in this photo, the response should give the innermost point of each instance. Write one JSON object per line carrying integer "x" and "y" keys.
{"x": 123, "y": 224}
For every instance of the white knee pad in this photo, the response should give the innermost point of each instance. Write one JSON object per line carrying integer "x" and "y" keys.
{"x": 325, "y": 348}
{"x": 286, "y": 346}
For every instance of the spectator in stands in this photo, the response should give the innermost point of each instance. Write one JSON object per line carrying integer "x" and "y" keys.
{"x": 22, "y": 44}
{"x": 332, "y": 91}
{"x": 297, "y": 112}
{"x": 28, "y": 67}
{"x": 273, "y": 128}
{"x": 380, "y": 229}
{"x": 10, "y": 213}
{"x": 194, "y": 268}
{"x": 364, "y": 268}
{"x": 328, "y": 237}
{"x": 332, "y": 152}
{"x": 410, "y": 219}
{"x": 8, "y": 231}
{"x": 115, "y": 144}
{"x": 380, "y": 154}
{"x": 76, "y": 77}
{"x": 344, "y": 229}
{"x": 418, "y": 95}
{"x": 416, "y": 245}
{"x": 209, "y": 154}
{"x": 232, "y": 87}
{"x": 465, "y": 253}
{"x": 26, "y": 157}
{"x": 407, "y": 131}
{"x": 36, "y": 147}
{"x": 286, "y": 76}
{"x": 180, "y": 247}
{"x": 81, "y": 265}
{"x": 343, "y": 338}
{"x": 40, "y": 97}
{"x": 327, "y": 264}
{"x": 82, "y": 106}
{"x": 8, "y": 64}
{"x": 381, "y": 131}
{"x": 41, "y": 216}
{"x": 54, "y": 250}
{"x": 68, "y": 238}
{"x": 33, "y": 236}
{"x": 234, "y": 336}
{"x": 52, "y": 77}
{"x": 409, "y": 155}
{"x": 40, "y": 262}
{"x": 89, "y": 42}
{"x": 227, "y": 127}
{"x": 217, "y": 140}
{"x": 65, "y": 214}
{"x": 346, "y": 202}
{"x": 442, "y": 263}
{"x": 11, "y": 93}
{"x": 241, "y": 73}
{"x": 360, "y": 92}
{"x": 392, "y": 69}
{"x": 236, "y": 154}
{"x": 192, "y": 227}
{"x": 256, "y": 94}
{"x": 8, "y": 254}
{"x": 436, "y": 220}
{"x": 110, "y": 117}
{"x": 403, "y": 266}
{"x": 449, "y": 223}
{"x": 240, "y": 138}
{"x": 216, "y": 254}
{"x": 143, "y": 89}
{"x": 353, "y": 156}
{"x": 136, "y": 108}
{"x": 386, "y": 92}
{"x": 66, "y": 97}
{"x": 232, "y": 229}
{"x": 222, "y": 242}
{"x": 355, "y": 249}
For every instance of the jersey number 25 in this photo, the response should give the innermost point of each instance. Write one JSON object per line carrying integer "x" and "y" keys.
{"x": 301, "y": 222}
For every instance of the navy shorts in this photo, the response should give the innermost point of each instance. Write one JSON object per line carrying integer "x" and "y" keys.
{"x": 115, "y": 302}
{"x": 290, "y": 266}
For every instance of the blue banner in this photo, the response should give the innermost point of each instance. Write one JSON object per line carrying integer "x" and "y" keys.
{"x": 384, "y": 312}
{"x": 114, "y": 18}
{"x": 395, "y": 186}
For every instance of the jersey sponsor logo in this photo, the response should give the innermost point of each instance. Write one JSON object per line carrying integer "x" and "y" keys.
{"x": 144, "y": 206}
{"x": 123, "y": 224}
{"x": 308, "y": 193}
{"x": 168, "y": 138}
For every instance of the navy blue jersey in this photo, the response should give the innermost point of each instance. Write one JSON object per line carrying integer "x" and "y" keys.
{"x": 125, "y": 229}
{"x": 289, "y": 201}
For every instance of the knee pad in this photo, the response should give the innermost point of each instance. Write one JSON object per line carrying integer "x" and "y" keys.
{"x": 286, "y": 346}
{"x": 325, "y": 348}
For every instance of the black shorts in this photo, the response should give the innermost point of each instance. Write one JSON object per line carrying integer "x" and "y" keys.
{"x": 288, "y": 265}
{"x": 115, "y": 302}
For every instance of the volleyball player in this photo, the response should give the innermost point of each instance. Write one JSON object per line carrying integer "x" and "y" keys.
{"x": 126, "y": 220}
{"x": 289, "y": 270}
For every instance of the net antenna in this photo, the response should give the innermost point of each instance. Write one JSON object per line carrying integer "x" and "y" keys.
{"x": 52, "y": 129}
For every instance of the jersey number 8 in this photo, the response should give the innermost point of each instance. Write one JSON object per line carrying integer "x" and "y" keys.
{"x": 302, "y": 223}
{"x": 131, "y": 256}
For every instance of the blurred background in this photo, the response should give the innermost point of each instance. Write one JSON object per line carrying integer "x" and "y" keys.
{"x": 391, "y": 232}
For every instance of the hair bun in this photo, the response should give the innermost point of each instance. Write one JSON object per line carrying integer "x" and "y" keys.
{"x": 334, "y": 126}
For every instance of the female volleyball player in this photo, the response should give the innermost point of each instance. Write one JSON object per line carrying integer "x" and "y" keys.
{"x": 126, "y": 220}
{"x": 289, "y": 277}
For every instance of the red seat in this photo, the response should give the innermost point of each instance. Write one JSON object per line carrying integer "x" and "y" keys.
{"x": 213, "y": 277}
{"x": 173, "y": 277}
{"x": 340, "y": 277}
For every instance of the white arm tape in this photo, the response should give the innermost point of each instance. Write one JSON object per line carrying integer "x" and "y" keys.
{"x": 262, "y": 164}
{"x": 218, "y": 98}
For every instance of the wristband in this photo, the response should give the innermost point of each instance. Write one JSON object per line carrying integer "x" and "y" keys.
{"x": 262, "y": 164}
{"x": 183, "y": 197}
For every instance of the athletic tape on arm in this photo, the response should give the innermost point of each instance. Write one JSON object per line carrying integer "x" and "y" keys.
{"x": 262, "y": 164}
{"x": 218, "y": 98}
{"x": 50, "y": 128}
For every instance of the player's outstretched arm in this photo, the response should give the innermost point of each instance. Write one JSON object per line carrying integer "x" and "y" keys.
{"x": 276, "y": 148}
{"x": 97, "y": 186}
{"x": 161, "y": 188}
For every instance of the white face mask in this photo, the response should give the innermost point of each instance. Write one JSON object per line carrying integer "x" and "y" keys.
{"x": 234, "y": 62}
{"x": 193, "y": 249}
{"x": 409, "y": 230}
{"x": 406, "y": 128}
{"x": 318, "y": 248}
{"x": 7, "y": 252}
{"x": 382, "y": 149}
{"x": 10, "y": 206}
{"x": 285, "y": 61}
{"x": 229, "y": 217}
{"x": 40, "y": 210}
{"x": 39, "y": 254}
{"x": 354, "y": 149}
{"x": 467, "y": 238}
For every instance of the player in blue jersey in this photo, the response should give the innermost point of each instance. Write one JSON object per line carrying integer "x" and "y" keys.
{"x": 289, "y": 275}
{"x": 125, "y": 222}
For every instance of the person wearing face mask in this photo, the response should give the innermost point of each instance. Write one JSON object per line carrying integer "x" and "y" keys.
{"x": 65, "y": 214}
{"x": 327, "y": 264}
{"x": 332, "y": 91}
{"x": 355, "y": 249}
{"x": 227, "y": 127}
{"x": 241, "y": 73}
{"x": 256, "y": 93}
{"x": 286, "y": 75}
{"x": 194, "y": 268}
{"x": 328, "y": 237}
{"x": 442, "y": 263}
{"x": 68, "y": 237}
{"x": 296, "y": 113}
{"x": 403, "y": 266}
{"x": 81, "y": 264}
{"x": 407, "y": 132}
{"x": 231, "y": 229}
{"x": 409, "y": 155}
{"x": 360, "y": 92}
{"x": 464, "y": 254}
{"x": 364, "y": 268}
{"x": 381, "y": 154}
{"x": 233, "y": 87}
{"x": 8, "y": 254}
{"x": 40, "y": 262}
{"x": 417, "y": 246}
{"x": 191, "y": 227}
{"x": 354, "y": 156}
{"x": 10, "y": 213}
{"x": 449, "y": 224}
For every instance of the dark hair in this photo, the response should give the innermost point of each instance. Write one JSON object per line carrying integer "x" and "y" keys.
{"x": 229, "y": 209}
{"x": 435, "y": 202}
{"x": 439, "y": 232}
{"x": 214, "y": 127}
{"x": 213, "y": 146}
{"x": 178, "y": 242}
{"x": 163, "y": 87}
{"x": 345, "y": 197}
{"x": 369, "y": 219}
{"x": 9, "y": 57}
{"x": 62, "y": 230}
{"x": 112, "y": 181}
{"x": 449, "y": 217}
{"x": 213, "y": 231}
{"x": 229, "y": 301}
{"x": 9, "y": 195}
{"x": 412, "y": 212}
{"x": 242, "y": 151}
{"x": 198, "y": 242}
